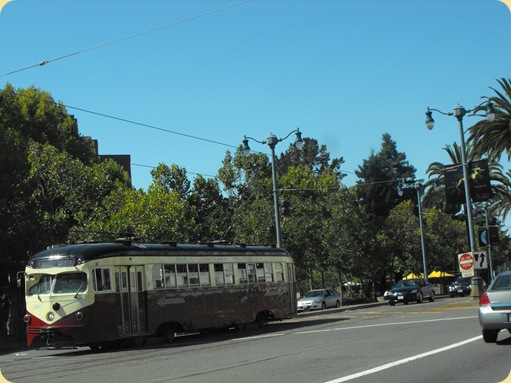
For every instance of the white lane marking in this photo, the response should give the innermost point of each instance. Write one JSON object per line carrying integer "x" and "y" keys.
{"x": 258, "y": 337}
{"x": 403, "y": 361}
{"x": 385, "y": 324}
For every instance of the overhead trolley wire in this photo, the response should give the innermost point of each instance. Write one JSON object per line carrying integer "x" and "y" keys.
{"x": 150, "y": 126}
{"x": 44, "y": 62}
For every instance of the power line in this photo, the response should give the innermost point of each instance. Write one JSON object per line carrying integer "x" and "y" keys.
{"x": 187, "y": 172}
{"x": 44, "y": 62}
{"x": 149, "y": 126}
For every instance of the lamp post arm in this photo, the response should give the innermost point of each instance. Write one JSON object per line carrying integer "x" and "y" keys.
{"x": 291, "y": 132}
{"x": 253, "y": 139}
{"x": 439, "y": 111}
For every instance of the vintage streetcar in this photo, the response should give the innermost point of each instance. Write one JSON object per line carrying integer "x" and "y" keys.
{"x": 121, "y": 292}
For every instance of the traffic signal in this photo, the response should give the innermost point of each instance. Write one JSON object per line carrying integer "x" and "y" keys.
{"x": 491, "y": 239}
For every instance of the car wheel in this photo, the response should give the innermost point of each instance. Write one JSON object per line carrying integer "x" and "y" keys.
{"x": 392, "y": 302}
{"x": 452, "y": 295}
{"x": 432, "y": 297}
{"x": 338, "y": 304}
{"x": 323, "y": 305}
{"x": 420, "y": 298}
{"x": 490, "y": 336}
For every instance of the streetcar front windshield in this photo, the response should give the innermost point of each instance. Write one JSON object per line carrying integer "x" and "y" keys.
{"x": 69, "y": 283}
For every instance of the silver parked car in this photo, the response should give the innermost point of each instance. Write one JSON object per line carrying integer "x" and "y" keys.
{"x": 495, "y": 307}
{"x": 319, "y": 299}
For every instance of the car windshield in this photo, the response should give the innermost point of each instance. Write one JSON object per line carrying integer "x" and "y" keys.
{"x": 314, "y": 293}
{"x": 408, "y": 282}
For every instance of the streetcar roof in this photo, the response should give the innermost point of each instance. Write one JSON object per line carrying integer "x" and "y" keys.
{"x": 90, "y": 251}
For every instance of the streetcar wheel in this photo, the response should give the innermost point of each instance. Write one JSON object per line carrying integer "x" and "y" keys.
{"x": 168, "y": 333}
{"x": 261, "y": 320}
{"x": 137, "y": 341}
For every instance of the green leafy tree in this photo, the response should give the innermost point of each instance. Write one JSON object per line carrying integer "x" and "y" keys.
{"x": 380, "y": 176}
{"x": 48, "y": 173}
{"x": 400, "y": 241}
{"x": 154, "y": 216}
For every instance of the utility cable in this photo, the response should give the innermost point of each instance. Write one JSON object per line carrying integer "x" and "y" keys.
{"x": 44, "y": 62}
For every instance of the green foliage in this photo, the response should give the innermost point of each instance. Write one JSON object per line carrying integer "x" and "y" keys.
{"x": 380, "y": 177}
{"x": 50, "y": 176}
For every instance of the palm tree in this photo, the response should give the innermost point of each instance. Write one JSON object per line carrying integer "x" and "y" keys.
{"x": 435, "y": 185}
{"x": 494, "y": 137}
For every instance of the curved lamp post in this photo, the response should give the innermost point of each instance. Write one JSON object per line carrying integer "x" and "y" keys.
{"x": 272, "y": 141}
{"x": 458, "y": 112}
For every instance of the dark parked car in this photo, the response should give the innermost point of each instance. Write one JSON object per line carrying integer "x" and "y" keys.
{"x": 495, "y": 307}
{"x": 408, "y": 290}
{"x": 461, "y": 287}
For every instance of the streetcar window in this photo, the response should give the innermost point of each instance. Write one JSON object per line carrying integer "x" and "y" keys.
{"x": 252, "y": 273}
{"x": 260, "y": 273}
{"x": 193, "y": 274}
{"x": 279, "y": 272}
{"x": 102, "y": 279}
{"x": 140, "y": 285}
{"x": 229, "y": 274}
{"x": 70, "y": 283}
{"x": 242, "y": 273}
{"x": 219, "y": 274}
{"x": 182, "y": 275}
{"x": 204, "y": 274}
{"x": 268, "y": 272}
{"x": 223, "y": 274}
{"x": 170, "y": 275}
{"x": 43, "y": 286}
{"x": 157, "y": 277}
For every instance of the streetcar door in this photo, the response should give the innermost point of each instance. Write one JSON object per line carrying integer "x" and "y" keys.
{"x": 131, "y": 312}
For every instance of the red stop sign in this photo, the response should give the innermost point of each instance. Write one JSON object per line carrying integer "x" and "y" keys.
{"x": 466, "y": 261}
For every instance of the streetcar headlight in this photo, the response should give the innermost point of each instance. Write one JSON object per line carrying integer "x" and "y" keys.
{"x": 27, "y": 319}
{"x": 79, "y": 315}
{"x": 50, "y": 316}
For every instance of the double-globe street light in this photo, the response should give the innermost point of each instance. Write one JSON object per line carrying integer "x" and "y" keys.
{"x": 272, "y": 141}
{"x": 459, "y": 112}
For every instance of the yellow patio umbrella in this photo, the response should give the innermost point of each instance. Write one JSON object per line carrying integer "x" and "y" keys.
{"x": 440, "y": 274}
{"x": 414, "y": 276}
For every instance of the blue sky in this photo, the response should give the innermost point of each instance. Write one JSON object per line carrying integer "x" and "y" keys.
{"x": 344, "y": 72}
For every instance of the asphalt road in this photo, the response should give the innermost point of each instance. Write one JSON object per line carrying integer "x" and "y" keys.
{"x": 429, "y": 342}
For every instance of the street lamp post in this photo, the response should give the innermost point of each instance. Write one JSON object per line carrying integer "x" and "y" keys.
{"x": 459, "y": 112}
{"x": 418, "y": 187}
{"x": 272, "y": 141}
